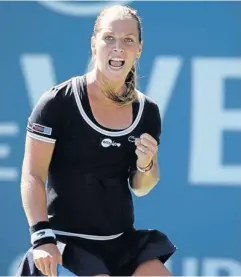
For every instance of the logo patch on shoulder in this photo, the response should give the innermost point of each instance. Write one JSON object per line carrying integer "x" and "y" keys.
{"x": 41, "y": 129}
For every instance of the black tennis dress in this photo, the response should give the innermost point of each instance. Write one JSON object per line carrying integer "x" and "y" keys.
{"x": 89, "y": 199}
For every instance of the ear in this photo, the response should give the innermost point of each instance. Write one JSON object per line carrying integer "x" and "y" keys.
{"x": 93, "y": 44}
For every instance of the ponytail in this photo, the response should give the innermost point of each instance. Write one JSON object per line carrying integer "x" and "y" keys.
{"x": 130, "y": 94}
{"x": 130, "y": 82}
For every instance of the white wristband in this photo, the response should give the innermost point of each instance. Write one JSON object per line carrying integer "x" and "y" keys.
{"x": 42, "y": 234}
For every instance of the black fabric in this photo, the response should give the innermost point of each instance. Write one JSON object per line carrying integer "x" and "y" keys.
{"x": 88, "y": 183}
{"x": 47, "y": 113}
{"x": 117, "y": 257}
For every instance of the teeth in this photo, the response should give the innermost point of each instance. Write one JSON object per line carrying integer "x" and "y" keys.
{"x": 117, "y": 59}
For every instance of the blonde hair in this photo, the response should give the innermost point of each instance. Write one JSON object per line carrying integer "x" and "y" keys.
{"x": 130, "y": 94}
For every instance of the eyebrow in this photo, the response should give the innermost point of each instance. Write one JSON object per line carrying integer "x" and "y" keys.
{"x": 111, "y": 32}
{"x": 131, "y": 34}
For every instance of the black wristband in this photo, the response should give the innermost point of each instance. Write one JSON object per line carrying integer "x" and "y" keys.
{"x": 39, "y": 226}
{"x": 44, "y": 241}
{"x": 41, "y": 233}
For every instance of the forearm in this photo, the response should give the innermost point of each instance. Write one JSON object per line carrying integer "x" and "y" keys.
{"x": 34, "y": 198}
{"x": 143, "y": 182}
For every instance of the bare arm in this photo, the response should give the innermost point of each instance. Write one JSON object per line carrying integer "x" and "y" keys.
{"x": 36, "y": 162}
{"x": 146, "y": 151}
{"x": 143, "y": 182}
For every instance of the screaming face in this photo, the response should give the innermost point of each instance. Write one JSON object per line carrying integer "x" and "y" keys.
{"x": 116, "y": 46}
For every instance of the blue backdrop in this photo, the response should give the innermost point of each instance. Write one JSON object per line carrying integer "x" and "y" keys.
{"x": 191, "y": 65}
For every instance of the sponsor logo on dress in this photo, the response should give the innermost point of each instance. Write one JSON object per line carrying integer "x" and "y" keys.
{"x": 107, "y": 142}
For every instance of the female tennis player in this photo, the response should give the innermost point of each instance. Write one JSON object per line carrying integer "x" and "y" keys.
{"x": 92, "y": 140}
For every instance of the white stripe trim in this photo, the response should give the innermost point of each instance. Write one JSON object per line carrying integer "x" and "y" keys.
{"x": 92, "y": 237}
{"x": 97, "y": 128}
{"x": 45, "y": 233}
{"x": 38, "y": 137}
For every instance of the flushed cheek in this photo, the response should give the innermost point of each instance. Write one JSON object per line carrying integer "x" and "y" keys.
{"x": 103, "y": 54}
{"x": 101, "y": 59}
{"x": 130, "y": 61}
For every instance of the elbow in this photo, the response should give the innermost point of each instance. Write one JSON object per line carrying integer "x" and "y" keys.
{"x": 30, "y": 180}
{"x": 140, "y": 192}
{"x": 144, "y": 190}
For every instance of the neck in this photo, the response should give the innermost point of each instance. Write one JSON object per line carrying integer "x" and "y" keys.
{"x": 104, "y": 84}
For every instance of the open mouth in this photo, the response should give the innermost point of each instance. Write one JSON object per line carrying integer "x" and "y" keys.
{"x": 116, "y": 63}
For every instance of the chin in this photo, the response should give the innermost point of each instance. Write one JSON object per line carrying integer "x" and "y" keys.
{"x": 115, "y": 74}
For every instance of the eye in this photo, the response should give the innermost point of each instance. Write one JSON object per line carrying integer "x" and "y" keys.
{"x": 109, "y": 38}
{"x": 129, "y": 40}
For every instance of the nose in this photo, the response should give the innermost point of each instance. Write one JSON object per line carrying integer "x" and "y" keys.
{"x": 118, "y": 47}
